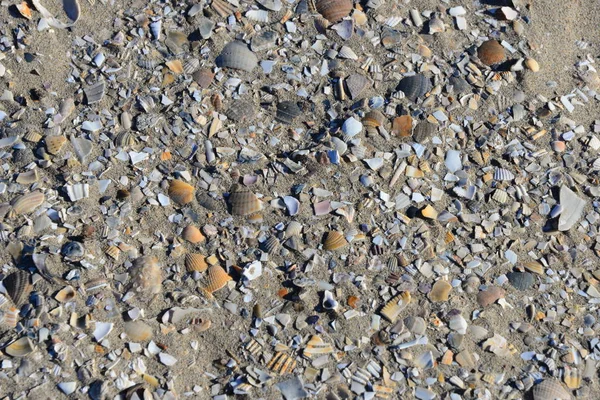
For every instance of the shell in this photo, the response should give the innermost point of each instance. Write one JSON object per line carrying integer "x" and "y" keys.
{"x": 180, "y": 192}
{"x": 155, "y": 29}
{"x": 200, "y": 324}
{"x": 146, "y": 275}
{"x": 241, "y": 111}
{"x": 242, "y": 201}
{"x": 334, "y": 240}
{"x": 294, "y": 228}
{"x": 138, "y": 331}
{"x": 287, "y": 111}
{"x": 334, "y": 10}
{"x": 28, "y": 202}
{"x": 270, "y": 245}
{"x": 282, "y": 363}
{"x": 521, "y": 280}
{"x": 72, "y": 9}
{"x": 20, "y": 348}
{"x": 216, "y": 279}
{"x": 237, "y": 55}
{"x": 55, "y": 143}
{"x": 113, "y": 252}
{"x": 402, "y": 126}
{"x": 490, "y": 295}
{"x": 550, "y": 389}
{"x": 11, "y": 317}
{"x": 415, "y": 86}
{"x": 125, "y": 139}
{"x": 535, "y": 267}
{"x": 258, "y": 15}
{"x": 392, "y": 309}
{"x": 203, "y": 77}
{"x": 423, "y": 131}
{"x": 66, "y": 294}
{"x": 316, "y": 346}
{"x": 192, "y": 234}
{"x": 459, "y": 84}
{"x": 94, "y": 93}
{"x": 440, "y": 291}
{"x": 191, "y": 65}
{"x": 195, "y": 262}
{"x": 32, "y": 136}
{"x": 18, "y": 286}
{"x": 373, "y": 118}
{"x": 175, "y": 66}
{"x": 356, "y": 84}
{"x": 429, "y": 212}
{"x": 329, "y": 302}
{"x": 347, "y": 53}
{"x": 500, "y": 196}
{"x": 502, "y": 174}
{"x": 491, "y": 52}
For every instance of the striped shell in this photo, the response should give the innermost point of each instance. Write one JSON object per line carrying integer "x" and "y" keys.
{"x": 392, "y": 309}
{"x": 192, "y": 234}
{"x": 270, "y": 245}
{"x": 287, "y": 111}
{"x": 28, "y": 202}
{"x": 491, "y": 52}
{"x": 180, "y": 192}
{"x": 32, "y": 136}
{"x": 55, "y": 143}
{"x": 237, "y": 55}
{"x": 125, "y": 139}
{"x": 502, "y": 174}
{"x": 146, "y": 274}
{"x": 113, "y": 252}
{"x": 334, "y": 10}
{"x": 550, "y": 389}
{"x": 500, "y": 196}
{"x": 316, "y": 346}
{"x": 242, "y": 201}
{"x": 203, "y": 77}
{"x": 241, "y": 111}
{"x": 195, "y": 262}
{"x": 138, "y": 331}
{"x": 373, "y": 118}
{"x": 294, "y": 228}
{"x": 334, "y": 241}
{"x": 282, "y": 363}
{"x": 18, "y": 286}
{"x": 20, "y": 348}
{"x": 191, "y": 65}
{"x": 534, "y": 266}
{"x": 415, "y": 86}
{"x": 216, "y": 279}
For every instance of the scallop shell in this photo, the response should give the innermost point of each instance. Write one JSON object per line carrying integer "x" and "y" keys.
{"x": 491, "y": 52}
{"x": 415, "y": 86}
{"x": 223, "y": 8}
{"x": 180, "y": 192}
{"x": 550, "y": 389}
{"x": 28, "y": 202}
{"x": 241, "y": 111}
{"x": 394, "y": 307}
{"x": 242, "y": 201}
{"x": 138, "y": 331}
{"x": 146, "y": 275}
{"x": 20, "y": 348}
{"x": 195, "y": 262}
{"x": 334, "y": 240}
{"x": 66, "y": 294}
{"x": 216, "y": 279}
{"x": 334, "y": 10}
{"x": 192, "y": 234}
{"x": 55, "y": 143}
{"x": 281, "y": 363}
{"x": 373, "y": 118}
{"x": 203, "y": 77}
{"x": 18, "y": 286}
{"x": 294, "y": 228}
{"x": 356, "y": 84}
{"x": 237, "y": 55}
{"x": 270, "y": 245}
{"x": 347, "y": 53}
{"x": 287, "y": 111}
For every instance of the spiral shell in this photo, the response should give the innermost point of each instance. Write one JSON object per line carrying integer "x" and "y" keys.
{"x": 287, "y": 111}
{"x": 242, "y": 201}
{"x": 181, "y": 192}
{"x": 334, "y": 10}
{"x": 216, "y": 279}
{"x": 491, "y": 52}
{"x": 192, "y": 234}
{"x": 334, "y": 240}
{"x": 146, "y": 275}
{"x": 237, "y": 55}
{"x": 195, "y": 262}
{"x": 28, "y": 202}
{"x": 415, "y": 86}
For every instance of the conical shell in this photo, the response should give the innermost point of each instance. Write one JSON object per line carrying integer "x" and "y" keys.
{"x": 550, "y": 389}
{"x": 241, "y": 111}
{"x": 181, "y": 192}
{"x": 195, "y": 262}
{"x": 316, "y": 346}
{"x": 415, "y": 86}
{"x": 55, "y": 143}
{"x": 392, "y": 309}
{"x": 28, "y": 202}
{"x": 18, "y": 286}
{"x": 138, "y": 331}
{"x": 242, "y": 201}
{"x": 491, "y": 52}
{"x": 146, "y": 275}
{"x": 355, "y": 84}
{"x": 373, "y": 118}
{"x": 287, "y": 111}
{"x": 216, "y": 279}
{"x": 20, "y": 348}
{"x": 237, "y": 55}
{"x": 192, "y": 234}
{"x": 203, "y": 77}
{"x": 334, "y": 240}
{"x": 334, "y": 10}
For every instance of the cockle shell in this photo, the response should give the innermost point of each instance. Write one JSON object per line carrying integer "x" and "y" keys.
{"x": 550, "y": 389}
{"x": 180, "y": 192}
{"x": 424, "y": 131}
{"x": 192, "y": 234}
{"x": 138, "y": 331}
{"x": 28, "y": 202}
{"x": 20, "y": 348}
{"x": 394, "y": 307}
{"x": 287, "y": 111}
{"x": 241, "y": 111}
{"x": 373, "y": 118}
{"x": 216, "y": 279}
{"x": 146, "y": 275}
{"x": 334, "y": 10}
{"x": 18, "y": 286}
{"x": 316, "y": 346}
{"x": 242, "y": 201}
{"x": 237, "y": 55}
{"x": 270, "y": 245}
{"x": 294, "y": 228}
{"x": 195, "y": 262}
{"x": 415, "y": 86}
{"x": 491, "y": 52}
{"x": 55, "y": 143}
{"x": 334, "y": 240}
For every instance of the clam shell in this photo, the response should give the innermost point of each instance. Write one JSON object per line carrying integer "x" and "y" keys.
{"x": 203, "y": 77}
{"x": 334, "y": 240}
{"x": 282, "y": 363}
{"x": 72, "y": 9}
{"x": 216, "y": 279}
{"x": 373, "y": 118}
{"x": 195, "y": 262}
{"x": 334, "y": 10}
{"x": 270, "y": 245}
{"x": 29, "y": 177}
{"x": 347, "y": 53}
{"x": 242, "y": 201}
{"x": 535, "y": 267}
{"x": 175, "y": 66}
{"x": 192, "y": 234}
{"x": 550, "y": 389}
{"x": 356, "y": 84}
{"x": 287, "y": 111}
{"x": 429, "y": 212}
{"x": 394, "y": 307}
{"x": 415, "y": 86}
{"x": 316, "y": 346}
{"x": 402, "y": 126}
{"x": 138, "y": 331}
{"x": 20, "y": 348}
{"x": 55, "y": 143}
{"x": 146, "y": 275}
{"x": 237, "y": 55}
{"x": 241, "y": 111}
{"x": 424, "y": 131}
{"x": 491, "y": 52}
{"x": 440, "y": 291}
{"x": 500, "y": 196}
{"x": 459, "y": 84}
{"x": 28, "y": 202}
{"x": 66, "y": 294}
{"x": 18, "y": 286}
{"x": 180, "y": 192}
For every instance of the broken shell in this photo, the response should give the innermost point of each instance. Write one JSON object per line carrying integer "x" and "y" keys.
{"x": 203, "y": 77}
{"x": 550, "y": 389}
{"x": 146, "y": 275}
{"x": 113, "y": 252}
{"x": 535, "y": 267}
{"x": 373, "y": 118}
{"x": 402, "y": 126}
{"x": 138, "y": 331}
{"x": 270, "y": 245}
{"x": 334, "y": 241}
{"x": 66, "y": 294}
{"x": 20, "y": 348}
{"x": 490, "y": 295}
{"x": 216, "y": 279}
{"x": 200, "y": 324}
{"x": 394, "y": 307}
{"x": 334, "y": 10}
{"x": 329, "y": 302}
{"x": 355, "y": 84}
{"x": 415, "y": 86}
{"x": 317, "y": 346}
{"x": 55, "y": 143}
{"x": 18, "y": 286}
{"x": 195, "y": 262}
{"x": 241, "y": 111}
{"x": 181, "y": 192}
{"x": 429, "y": 212}
{"x": 440, "y": 291}
{"x": 282, "y": 363}
{"x": 521, "y": 280}
{"x": 292, "y": 204}
{"x": 237, "y": 55}
{"x": 242, "y": 201}
{"x": 192, "y": 234}
{"x": 287, "y": 111}
{"x": 491, "y": 52}
{"x": 294, "y": 228}
{"x": 424, "y": 131}
{"x": 28, "y": 202}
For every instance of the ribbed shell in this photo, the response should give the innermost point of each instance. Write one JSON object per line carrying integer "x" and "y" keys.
{"x": 237, "y": 55}
{"x": 241, "y": 111}
{"x": 195, "y": 262}
{"x": 355, "y": 84}
{"x": 415, "y": 86}
{"x": 270, "y": 245}
{"x": 124, "y": 139}
{"x": 491, "y": 52}
{"x": 203, "y": 77}
{"x": 392, "y": 309}
{"x": 181, "y": 192}
{"x": 502, "y": 174}
{"x": 334, "y": 240}
{"x": 242, "y": 201}
{"x": 373, "y": 118}
{"x": 550, "y": 389}
{"x": 192, "y": 234}
{"x": 216, "y": 279}
{"x": 191, "y": 65}
{"x": 146, "y": 275}
{"x": 423, "y": 131}
{"x": 287, "y": 111}
{"x": 294, "y": 228}
{"x": 18, "y": 286}
{"x": 28, "y": 202}
{"x": 334, "y": 10}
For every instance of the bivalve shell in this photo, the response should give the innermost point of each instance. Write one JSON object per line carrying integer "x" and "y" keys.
{"x": 356, "y": 84}
{"x": 28, "y": 202}
{"x": 521, "y": 280}
{"x": 138, "y": 331}
{"x": 270, "y": 245}
{"x": 18, "y": 286}
{"x": 216, "y": 279}
{"x": 440, "y": 291}
{"x": 146, "y": 274}
{"x": 55, "y": 143}
{"x": 242, "y": 201}
{"x": 180, "y": 192}
{"x": 237, "y": 55}
{"x": 491, "y": 52}
{"x": 402, "y": 126}
{"x": 316, "y": 346}
{"x": 415, "y": 86}
{"x": 192, "y": 234}
{"x": 241, "y": 111}
{"x": 66, "y": 294}
{"x": 550, "y": 389}
{"x": 424, "y": 131}
{"x": 334, "y": 241}
{"x": 282, "y": 363}
{"x": 203, "y": 77}
{"x": 394, "y": 307}
{"x": 334, "y": 10}
{"x": 195, "y": 262}
{"x": 20, "y": 348}
{"x": 287, "y": 111}
{"x": 373, "y": 118}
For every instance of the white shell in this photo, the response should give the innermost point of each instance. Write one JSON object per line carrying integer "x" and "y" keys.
{"x": 502, "y": 174}
{"x": 155, "y": 28}
{"x": 329, "y": 302}
{"x": 258, "y": 15}
{"x": 67, "y": 387}
{"x": 347, "y": 52}
{"x": 292, "y": 204}
{"x": 352, "y": 126}
{"x": 252, "y": 270}
{"x": 102, "y": 330}
{"x": 78, "y": 191}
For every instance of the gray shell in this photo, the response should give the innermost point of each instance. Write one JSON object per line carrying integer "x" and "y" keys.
{"x": 287, "y": 111}
{"x": 355, "y": 84}
{"x": 550, "y": 389}
{"x": 237, "y": 55}
{"x": 94, "y": 93}
{"x": 423, "y": 131}
{"x": 521, "y": 280}
{"x": 415, "y": 86}
{"x": 459, "y": 84}
{"x": 270, "y": 245}
{"x": 241, "y": 111}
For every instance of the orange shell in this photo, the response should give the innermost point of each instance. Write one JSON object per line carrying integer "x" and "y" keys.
{"x": 334, "y": 10}
{"x": 192, "y": 234}
{"x": 217, "y": 279}
{"x": 55, "y": 143}
{"x": 402, "y": 126}
{"x": 334, "y": 240}
{"x": 181, "y": 192}
{"x": 195, "y": 262}
{"x": 491, "y": 52}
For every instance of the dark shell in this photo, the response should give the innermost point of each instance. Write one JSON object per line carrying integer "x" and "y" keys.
{"x": 334, "y": 10}
{"x": 415, "y": 86}
{"x": 237, "y": 55}
{"x": 459, "y": 85}
{"x": 491, "y": 52}
{"x": 270, "y": 245}
{"x": 240, "y": 111}
{"x": 355, "y": 84}
{"x": 18, "y": 286}
{"x": 203, "y": 77}
{"x": 423, "y": 131}
{"x": 287, "y": 111}
{"x": 521, "y": 280}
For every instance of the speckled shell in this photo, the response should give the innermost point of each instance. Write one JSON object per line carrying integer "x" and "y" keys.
{"x": 203, "y": 77}
{"x": 491, "y": 52}
{"x": 550, "y": 389}
{"x": 55, "y": 143}
{"x": 242, "y": 201}
{"x": 181, "y": 192}
{"x": 415, "y": 86}
{"x": 287, "y": 111}
{"x": 237, "y": 55}
{"x": 334, "y": 240}
{"x": 216, "y": 279}
{"x": 192, "y": 234}
{"x": 373, "y": 118}
{"x": 195, "y": 262}
{"x": 28, "y": 202}
{"x": 18, "y": 286}
{"x": 334, "y": 10}
{"x": 146, "y": 275}
{"x": 241, "y": 111}
{"x": 138, "y": 331}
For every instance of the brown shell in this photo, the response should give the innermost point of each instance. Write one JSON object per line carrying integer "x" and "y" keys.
{"x": 18, "y": 286}
{"x": 113, "y": 252}
{"x": 242, "y": 201}
{"x": 392, "y": 309}
{"x": 180, "y": 192}
{"x": 146, "y": 275}
{"x": 195, "y": 262}
{"x": 138, "y": 331}
{"x": 20, "y": 348}
{"x": 491, "y": 52}
{"x": 237, "y": 55}
{"x": 55, "y": 143}
{"x": 281, "y": 363}
{"x": 373, "y": 118}
{"x": 334, "y": 240}
{"x": 334, "y": 10}
{"x": 216, "y": 279}
{"x": 550, "y": 389}
{"x": 28, "y": 202}
{"x": 402, "y": 126}
{"x": 192, "y": 234}
{"x": 203, "y": 77}
{"x": 200, "y": 324}
{"x": 440, "y": 291}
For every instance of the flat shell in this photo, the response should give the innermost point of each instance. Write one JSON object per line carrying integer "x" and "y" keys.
{"x": 415, "y": 86}
{"x": 287, "y": 111}
{"x": 237, "y": 55}
{"x": 241, "y": 111}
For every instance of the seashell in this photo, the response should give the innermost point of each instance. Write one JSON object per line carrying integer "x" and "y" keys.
{"x": 242, "y": 201}
{"x": 394, "y": 307}
{"x": 573, "y": 207}
{"x": 502, "y": 174}
{"x": 287, "y": 111}
{"x": 345, "y": 29}
{"x": 205, "y": 27}
{"x": 436, "y": 25}
{"x": 373, "y": 118}
{"x": 113, "y": 252}
{"x": 216, "y": 279}
{"x": 329, "y": 302}
{"x": 191, "y": 65}
{"x": 29, "y": 177}
{"x": 203, "y": 77}
{"x": 258, "y": 15}
{"x": 415, "y": 325}
{"x": 32, "y": 136}
{"x": 402, "y": 126}
{"x": 192, "y": 234}
{"x": 334, "y": 10}
{"x": 180, "y": 192}
{"x": 316, "y": 346}
{"x": 424, "y": 131}
{"x": 535, "y": 267}
{"x": 500, "y": 196}
{"x": 347, "y": 53}
{"x": 272, "y": 5}
{"x": 200, "y": 324}
{"x": 459, "y": 84}
{"x": 253, "y": 347}
{"x": 66, "y": 294}
{"x": 146, "y": 275}
{"x": 20, "y": 348}
{"x": 72, "y": 9}
{"x": 415, "y": 86}
{"x": 294, "y": 228}
{"x": 94, "y": 93}
{"x": 550, "y": 389}
{"x": 18, "y": 286}
{"x": 138, "y": 331}
{"x": 490, "y": 295}
{"x": 223, "y": 8}
{"x": 11, "y": 317}
{"x": 292, "y": 204}
{"x": 282, "y": 363}
{"x": 521, "y": 280}
{"x": 24, "y": 10}
{"x": 429, "y": 212}
{"x": 356, "y": 84}
{"x": 175, "y": 40}
{"x": 55, "y": 143}
{"x": 155, "y": 29}
{"x": 458, "y": 323}
{"x": 532, "y": 65}
{"x": 440, "y": 291}
{"x": 270, "y": 245}
{"x": 351, "y": 127}
{"x": 195, "y": 262}
{"x": 175, "y": 66}
{"x": 491, "y": 52}
{"x": 78, "y": 191}
{"x": 334, "y": 241}
{"x": 28, "y": 202}
{"x": 572, "y": 377}
{"x": 125, "y": 139}
{"x": 241, "y": 111}
{"x": 237, "y": 55}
